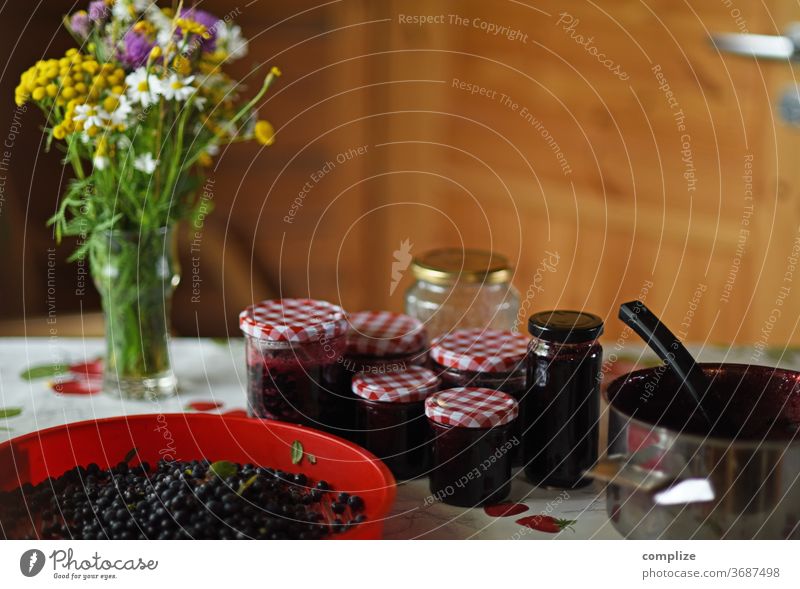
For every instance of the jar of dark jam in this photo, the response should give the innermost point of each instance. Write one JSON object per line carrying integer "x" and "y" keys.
{"x": 472, "y": 445}
{"x": 563, "y": 401}
{"x": 293, "y": 347}
{"x": 380, "y": 342}
{"x": 484, "y": 358}
{"x": 391, "y": 418}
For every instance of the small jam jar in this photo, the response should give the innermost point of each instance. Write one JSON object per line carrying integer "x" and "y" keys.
{"x": 391, "y": 418}
{"x": 294, "y": 374}
{"x": 381, "y": 342}
{"x": 472, "y": 445}
{"x": 484, "y": 358}
{"x": 563, "y": 402}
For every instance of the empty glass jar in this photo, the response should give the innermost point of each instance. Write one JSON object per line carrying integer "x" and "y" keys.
{"x": 458, "y": 288}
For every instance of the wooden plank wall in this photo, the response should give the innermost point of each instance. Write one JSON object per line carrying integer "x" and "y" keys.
{"x": 631, "y": 191}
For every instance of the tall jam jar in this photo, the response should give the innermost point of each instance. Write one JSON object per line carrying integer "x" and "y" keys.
{"x": 457, "y": 288}
{"x": 472, "y": 445}
{"x": 293, "y": 349}
{"x": 391, "y": 417}
{"x": 381, "y": 341}
{"x": 485, "y": 358}
{"x": 563, "y": 401}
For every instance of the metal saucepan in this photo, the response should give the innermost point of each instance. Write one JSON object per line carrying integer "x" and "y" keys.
{"x": 668, "y": 479}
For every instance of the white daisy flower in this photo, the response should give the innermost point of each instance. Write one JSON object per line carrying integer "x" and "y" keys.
{"x": 212, "y": 149}
{"x": 124, "y": 142}
{"x": 119, "y": 116}
{"x": 177, "y": 87}
{"x": 90, "y": 115}
{"x": 162, "y": 23}
{"x": 126, "y": 10}
{"x": 231, "y": 40}
{"x": 145, "y": 163}
{"x": 200, "y": 102}
{"x": 143, "y": 88}
{"x": 100, "y": 162}
{"x": 122, "y": 10}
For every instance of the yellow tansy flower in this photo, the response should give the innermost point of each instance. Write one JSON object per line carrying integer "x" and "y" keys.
{"x": 181, "y": 65}
{"x": 90, "y": 66}
{"x": 264, "y": 133}
{"x": 192, "y": 27}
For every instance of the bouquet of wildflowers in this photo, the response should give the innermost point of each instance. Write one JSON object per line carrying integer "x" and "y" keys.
{"x": 141, "y": 107}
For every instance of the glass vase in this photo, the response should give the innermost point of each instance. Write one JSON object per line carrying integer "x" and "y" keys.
{"x": 136, "y": 273}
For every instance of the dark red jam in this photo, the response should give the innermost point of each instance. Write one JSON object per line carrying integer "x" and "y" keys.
{"x": 293, "y": 347}
{"x": 391, "y": 418}
{"x": 300, "y": 385}
{"x": 512, "y": 383}
{"x": 382, "y": 342}
{"x": 484, "y": 358}
{"x": 562, "y": 406}
{"x": 398, "y": 434}
{"x": 355, "y": 363}
{"x": 471, "y": 464}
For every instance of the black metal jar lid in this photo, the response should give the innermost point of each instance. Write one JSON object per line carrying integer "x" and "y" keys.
{"x": 565, "y": 327}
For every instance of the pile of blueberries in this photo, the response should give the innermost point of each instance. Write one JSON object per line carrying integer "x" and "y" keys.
{"x": 178, "y": 500}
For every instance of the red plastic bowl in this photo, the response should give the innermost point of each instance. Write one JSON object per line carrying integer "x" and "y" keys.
{"x": 185, "y": 436}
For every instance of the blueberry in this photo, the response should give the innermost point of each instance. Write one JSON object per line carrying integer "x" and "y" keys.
{"x": 173, "y": 500}
{"x": 355, "y": 502}
{"x": 337, "y": 507}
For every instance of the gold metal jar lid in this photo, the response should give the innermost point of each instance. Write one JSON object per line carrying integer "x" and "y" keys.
{"x": 450, "y": 265}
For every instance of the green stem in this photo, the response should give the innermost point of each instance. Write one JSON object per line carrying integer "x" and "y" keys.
{"x": 253, "y": 101}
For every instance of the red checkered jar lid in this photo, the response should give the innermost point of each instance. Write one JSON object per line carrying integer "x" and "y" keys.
{"x": 480, "y": 350}
{"x": 293, "y": 320}
{"x": 382, "y": 333}
{"x": 471, "y": 407}
{"x": 406, "y": 386}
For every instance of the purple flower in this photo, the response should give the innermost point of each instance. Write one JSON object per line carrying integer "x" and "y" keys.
{"x": 79, "y": 23}
{"x": 137, "y": 49}
{"x": 208, "y": 20}
{"x": 98, "y": 11}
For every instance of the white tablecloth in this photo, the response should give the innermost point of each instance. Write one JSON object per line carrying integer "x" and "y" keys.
{"x": 212, "y": 370}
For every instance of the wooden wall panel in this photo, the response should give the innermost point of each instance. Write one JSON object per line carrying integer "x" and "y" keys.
{"x": 444, "y": 167}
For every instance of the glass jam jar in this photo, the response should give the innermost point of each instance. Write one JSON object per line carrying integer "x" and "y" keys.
{"x": 484, "y": 358}
{"x": 294, "y": 374}
{"x": 472, "y": 445}
{"x": 563, "y": 401}
{"x": 391, "y": 418}
{"x": 456, "y": 288}
{"x": 382, "y": 342}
